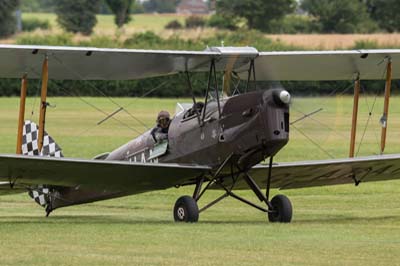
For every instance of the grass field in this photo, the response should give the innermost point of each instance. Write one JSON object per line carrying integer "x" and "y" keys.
{"x": 140, "y": 23}
{"x": 340, "y": 225}
{"x": 106, "y": 22}
{"x": 337, "y": 41}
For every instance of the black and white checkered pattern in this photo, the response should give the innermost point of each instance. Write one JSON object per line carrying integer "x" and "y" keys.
{"x": 42, "y": 193}
{"x": 30, "y": 134}
{"x": 30, "y": 142}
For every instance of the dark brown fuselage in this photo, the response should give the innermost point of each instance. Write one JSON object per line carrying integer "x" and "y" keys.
{"x": 249, "y": 128}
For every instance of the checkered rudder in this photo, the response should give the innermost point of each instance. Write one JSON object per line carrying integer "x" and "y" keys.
{"x": 42, "y": 193}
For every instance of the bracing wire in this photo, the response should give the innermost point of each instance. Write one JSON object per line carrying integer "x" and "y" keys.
{"x": 313, "y": 142}
{"x": 307, "y": 116}
{"x": 95, "y": 107}
{"x": 88, "y": 103}
{"x": 334, "y": 92}
{"x": 99, "y": 91}
{"x": 370, "y": 113}
{"x": 34, "y": 101}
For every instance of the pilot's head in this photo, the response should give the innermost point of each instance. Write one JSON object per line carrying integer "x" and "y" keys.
{"x": 163, "y": 119}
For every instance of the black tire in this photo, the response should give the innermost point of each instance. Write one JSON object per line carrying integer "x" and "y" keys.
{"x": 282, "y": 210}
{"x": 186, "y": 210}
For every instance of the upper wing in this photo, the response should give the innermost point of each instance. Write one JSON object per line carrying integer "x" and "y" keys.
{"x": 325, "y": 65}
{"x": 328, "y": 172}
{"x": 95, "y": 174}
{"x": 79, "y": 63}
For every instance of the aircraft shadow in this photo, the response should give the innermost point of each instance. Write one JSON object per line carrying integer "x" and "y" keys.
{"x": 76, "y": 219}
{"x": 113, "y": 219}
{"x": 348, "y": 219}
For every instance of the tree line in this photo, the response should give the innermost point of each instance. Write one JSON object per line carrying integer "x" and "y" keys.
{"x": 271, "y": 16}
{"x": 76, "y": 16}
{"x": 320, "y": 16}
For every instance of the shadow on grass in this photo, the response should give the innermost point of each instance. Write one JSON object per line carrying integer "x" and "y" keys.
{"x": 109, "y": 219}
{"x": 348, "y": 219}
{"x": 119, "y": 207}
{"x": 76, "y": 219}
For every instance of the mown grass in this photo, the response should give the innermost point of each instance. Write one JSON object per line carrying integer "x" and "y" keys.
{"x": 106, "y": 22}
{"x": 340, "y": 225}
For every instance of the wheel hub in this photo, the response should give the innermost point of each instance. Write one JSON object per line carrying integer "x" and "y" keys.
{"x": 181, "y": 213}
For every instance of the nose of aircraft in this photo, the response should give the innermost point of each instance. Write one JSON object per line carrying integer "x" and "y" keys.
{"x": 285, "y": 97}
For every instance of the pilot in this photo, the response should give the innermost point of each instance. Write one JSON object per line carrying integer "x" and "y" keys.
{"x": 160, "y": 132}
{"x": 198, "y": 107}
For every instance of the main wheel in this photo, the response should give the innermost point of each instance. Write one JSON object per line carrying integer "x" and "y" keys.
{"x": 186, "y": 210}
{"x": 282, "y": 210}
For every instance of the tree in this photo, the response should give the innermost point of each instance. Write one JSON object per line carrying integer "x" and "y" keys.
{"x": 30, "y": 6}
{"x": 386, "y": 13}
{"x": 37, "y": 5}
{"x": 77, "y": 15}
{"x": 258, "y": 13}
{"x": 342, "y": 16}
{"x": 8, "y": 23}
{"x": 121, "y": 9}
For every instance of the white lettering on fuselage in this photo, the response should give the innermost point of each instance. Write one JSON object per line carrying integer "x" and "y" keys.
{"x": 142, "y": 157}
{"x": 214, "y": 133}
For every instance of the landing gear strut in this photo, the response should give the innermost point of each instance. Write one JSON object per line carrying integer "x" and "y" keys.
{"x": 279, "y": 209}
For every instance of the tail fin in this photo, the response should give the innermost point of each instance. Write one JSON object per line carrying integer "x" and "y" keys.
{"x": 40, "y": 194}
{"x": 30, "y": 142}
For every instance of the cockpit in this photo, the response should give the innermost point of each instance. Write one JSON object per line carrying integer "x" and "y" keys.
{"x": 197, "y": 108}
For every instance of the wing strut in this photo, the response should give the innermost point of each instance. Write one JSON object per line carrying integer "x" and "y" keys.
{"x": 43, "y": 103}
{"x": 355, "y": 115}
{"x": 193, "y": 97}
{"x": 21, "y": 117}
{"x": 384, "y": 118}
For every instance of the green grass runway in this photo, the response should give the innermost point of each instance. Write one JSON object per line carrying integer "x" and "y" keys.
{"x": 341, "y": 225}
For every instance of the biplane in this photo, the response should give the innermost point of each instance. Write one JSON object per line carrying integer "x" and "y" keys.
{"x": 215, "y": 144}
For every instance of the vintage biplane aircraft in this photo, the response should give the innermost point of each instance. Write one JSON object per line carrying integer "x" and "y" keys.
{"x": 216, "y": 144}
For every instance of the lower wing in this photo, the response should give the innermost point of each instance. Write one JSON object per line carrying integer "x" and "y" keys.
{"x": 328, "y": 172}
{"x": 94, "y": 174}
{"x": 137, "y": 177}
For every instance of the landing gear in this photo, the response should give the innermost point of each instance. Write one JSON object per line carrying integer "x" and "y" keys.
{"x": 186, "y": 210}
{"x": 282, "y": 210}
{"x": 279, "y": 209}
